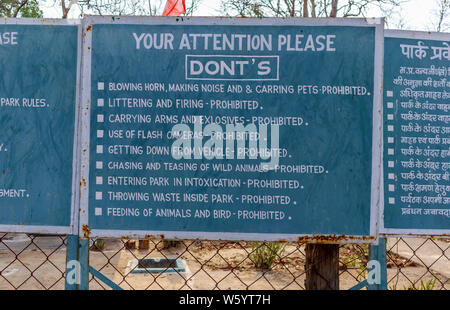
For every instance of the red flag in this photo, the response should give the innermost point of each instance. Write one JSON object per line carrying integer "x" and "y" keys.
{"x": 174, "y": 8}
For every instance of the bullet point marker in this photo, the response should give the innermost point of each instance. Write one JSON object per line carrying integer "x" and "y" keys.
{"x": 100, "y": 86}
{"x": 99, "y": 149}
{"x": 100, "y": 118}
{"x": 100, "y": 102}
{"x": 98, "y": 196}
{"x": 98, "y": 211}
{"x": 99, "y": 164}
{"x": 100, "y": 133}
{"x": 99, "y": 180}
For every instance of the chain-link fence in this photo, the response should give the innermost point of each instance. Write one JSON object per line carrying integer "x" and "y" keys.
{"x": 38, "y": 262}
{"x": 418, "y": 263}
{"x": 30, "y": 261}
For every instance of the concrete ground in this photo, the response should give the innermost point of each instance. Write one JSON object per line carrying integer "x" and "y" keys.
{"x": 433, "y": 253}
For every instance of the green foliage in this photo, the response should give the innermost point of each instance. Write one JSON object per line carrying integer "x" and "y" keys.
{"x": 32, "y": 10}
{"x": 99, "y": 245}
{"x": 429, "y": 285}
{"x": 264, "y": 254}
{"x": 20, "y": 8}
{"x": 424, "y": 286}
{"x": 355, "y": 262}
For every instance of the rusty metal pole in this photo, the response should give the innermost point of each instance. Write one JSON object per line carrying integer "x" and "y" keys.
{"x": 322, "y": 267}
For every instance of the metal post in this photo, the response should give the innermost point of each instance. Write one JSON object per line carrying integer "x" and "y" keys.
{"x": 71, "y": 256}
{"x": 378, "y": 253}
{"x": 84, "y": 263}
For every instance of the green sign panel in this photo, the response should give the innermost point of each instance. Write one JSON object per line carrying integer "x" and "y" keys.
{"x": 231, "y": 129}
{"x": 416, "y": 133}
{"x": 38, "y": 90}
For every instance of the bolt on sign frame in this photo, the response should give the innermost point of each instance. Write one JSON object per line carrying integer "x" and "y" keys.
{"x": 40, "y": 62}
{"x": 331, "y": 97}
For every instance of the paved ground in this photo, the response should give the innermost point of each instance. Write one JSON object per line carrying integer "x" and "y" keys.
{"x": 425, "y": 252}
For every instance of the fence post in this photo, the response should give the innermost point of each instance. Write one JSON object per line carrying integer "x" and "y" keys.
{"x": 322, "y": 267}
{"x": 84, "y": 263}
{"x": 378, "y": 253}
{"x": 71, "y": 256}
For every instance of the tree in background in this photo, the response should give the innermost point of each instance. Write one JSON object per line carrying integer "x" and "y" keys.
{"x": 391, "y": 9}
{"x": 130, "y": 7}
{"x": 442, "y": 14}
{"x": 116, "y": 7}
{"x": 66, "y": 6}
{"x": 20, "y": 8}
{"x": 305, "y": 8}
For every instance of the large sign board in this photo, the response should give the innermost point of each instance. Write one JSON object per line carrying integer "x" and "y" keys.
{"x": 231, "y": 128}
{"x": 416, "y": 134}
{"x": 38, "y": 95}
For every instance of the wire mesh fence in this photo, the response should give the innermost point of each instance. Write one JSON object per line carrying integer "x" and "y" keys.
{"x": 38, "y": 262}
{"x": 418, "y": 264}
{"x": 30, "y": 261}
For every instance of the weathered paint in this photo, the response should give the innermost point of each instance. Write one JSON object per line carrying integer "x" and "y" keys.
{"x": 113, "y": 29}
{"x": 42, "y": 141}
{"x": 405, "y": 211}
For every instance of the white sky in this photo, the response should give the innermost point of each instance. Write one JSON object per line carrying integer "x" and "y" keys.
{"x": 414, "y": 15}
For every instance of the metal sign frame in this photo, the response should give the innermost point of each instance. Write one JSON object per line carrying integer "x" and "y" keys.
{"x": 74, "y": 214}
{"x": 400, "y": 232}
{"x": 86, "y": 231}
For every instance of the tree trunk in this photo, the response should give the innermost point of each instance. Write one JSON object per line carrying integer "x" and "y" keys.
{"x": 313, "y": 8}
{"x": 334, "y": 5}
{"x": 322, "y": 267}
{"x": 305, "y": 8}
{"x": 65, "y": 10}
